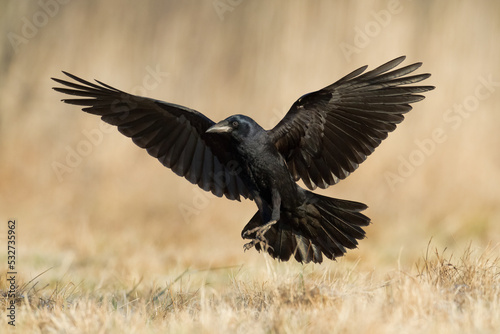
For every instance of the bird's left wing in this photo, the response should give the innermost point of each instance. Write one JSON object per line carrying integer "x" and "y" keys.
{"x": 173, "y": 134}
{"x": 328, "y": 133}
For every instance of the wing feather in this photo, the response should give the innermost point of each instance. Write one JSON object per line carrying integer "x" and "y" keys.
{"x": 173, "y": 134}
{"x": 326, "y": 134}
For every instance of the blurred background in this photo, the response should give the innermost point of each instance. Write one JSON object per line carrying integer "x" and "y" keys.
{"x": 86, "y": 198}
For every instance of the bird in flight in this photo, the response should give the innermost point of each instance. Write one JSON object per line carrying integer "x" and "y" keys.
{"x": 323, "y": 138}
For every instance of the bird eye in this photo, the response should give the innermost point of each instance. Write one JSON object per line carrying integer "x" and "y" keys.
{"x": 235, "y": 124}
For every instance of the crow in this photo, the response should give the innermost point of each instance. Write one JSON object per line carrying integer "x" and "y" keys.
{"x": 323, "y": 138}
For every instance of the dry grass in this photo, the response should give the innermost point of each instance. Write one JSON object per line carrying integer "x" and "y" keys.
{"x": 106, "y": 247}
{"x": 439, "y": 295}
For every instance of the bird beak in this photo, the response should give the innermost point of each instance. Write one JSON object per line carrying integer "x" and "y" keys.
{"x": 220, "y": 127}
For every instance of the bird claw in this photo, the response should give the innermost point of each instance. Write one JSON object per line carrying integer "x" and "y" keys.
{"x": 260, "y": 230}
{"x": 259, "y": 236}
{"x": 249, "y": 245}
{"x": 263, "y": 244}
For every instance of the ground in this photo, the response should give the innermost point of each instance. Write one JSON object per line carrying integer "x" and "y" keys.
{"x": 108, "y": 240}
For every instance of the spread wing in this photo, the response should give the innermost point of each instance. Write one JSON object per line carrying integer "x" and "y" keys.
{"x": 326, "y": 134}
{"x": 173, "y": 134}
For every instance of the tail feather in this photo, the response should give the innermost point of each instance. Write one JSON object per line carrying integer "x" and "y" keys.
{"x": 329, "y": 227}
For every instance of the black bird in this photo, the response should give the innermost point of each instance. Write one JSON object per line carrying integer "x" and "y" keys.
{"x": 322, "y": 139}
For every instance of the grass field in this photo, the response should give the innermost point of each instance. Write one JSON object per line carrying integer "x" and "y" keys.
{"x": 105, "y": 244}
{"x": 442, "y": 294}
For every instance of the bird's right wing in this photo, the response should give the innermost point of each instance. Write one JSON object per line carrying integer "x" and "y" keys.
{"x": 328, "y": 133}
{"x": 173, "y": 134}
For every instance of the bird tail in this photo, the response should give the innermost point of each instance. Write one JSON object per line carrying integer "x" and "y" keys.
{"x": 327, "y": 225}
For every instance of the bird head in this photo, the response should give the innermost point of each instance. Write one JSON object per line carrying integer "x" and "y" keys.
{"x": 237, "y": 126}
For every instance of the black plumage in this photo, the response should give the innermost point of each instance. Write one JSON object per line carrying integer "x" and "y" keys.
{"x": 322, "y": 139}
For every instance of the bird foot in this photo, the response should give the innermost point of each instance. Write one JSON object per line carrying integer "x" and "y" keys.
{"x": 260, "y": 230}
{"x": 249, "y": 245}
{"x": 259, "y": 236}
{"x": 263, "y": 244}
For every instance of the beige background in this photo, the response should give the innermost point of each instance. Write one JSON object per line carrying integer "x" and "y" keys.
{"x": 118, "y": 208}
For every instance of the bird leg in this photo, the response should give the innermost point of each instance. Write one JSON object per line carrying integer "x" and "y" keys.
{"x": 261, "y": 230}
{"x": 259, "y": 236}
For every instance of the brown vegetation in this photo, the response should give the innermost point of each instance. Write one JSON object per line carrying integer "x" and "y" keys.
{"x": 106, "y": 245}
